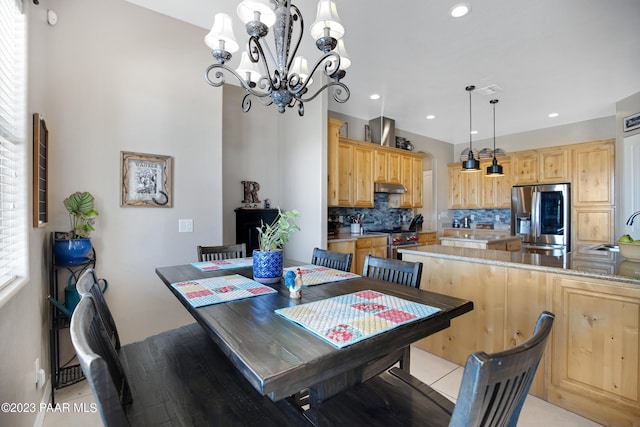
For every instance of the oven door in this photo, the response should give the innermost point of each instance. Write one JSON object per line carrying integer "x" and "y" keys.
{"x": 393, "y": 249}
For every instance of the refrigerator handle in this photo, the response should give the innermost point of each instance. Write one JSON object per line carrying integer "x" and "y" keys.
{"x": 535, "y": 208}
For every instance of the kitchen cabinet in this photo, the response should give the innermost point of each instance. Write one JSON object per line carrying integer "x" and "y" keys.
{"x": 549, "y": 165}
{"x": 427, "y": 238}
{"x": 376, "y": 246}
{"x": 347, "y": 247}
{"x": 593, "y": 209}
{"x": 595, "y": 352}
{"x": 496, "y": 190}
{"x": 363, "y": 177}
{"x": 353, "y": 166}
{"x": 333, "y": 168}
{"x": 591, "y": 362}
{"x": 465, "y": 188}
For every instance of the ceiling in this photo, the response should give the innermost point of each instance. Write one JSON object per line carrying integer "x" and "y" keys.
{"x": 576, "y": 58}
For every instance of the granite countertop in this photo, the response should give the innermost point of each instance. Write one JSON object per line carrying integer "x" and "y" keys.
{"x": 617, "y": 269}
{"x": 482, "y": 238}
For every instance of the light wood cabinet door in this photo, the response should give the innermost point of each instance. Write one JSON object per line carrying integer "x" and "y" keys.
{"x": 426, "y": 239}
{"x": 595, "y": 353}
{"x": 345, "y": 174}
{"x": 554, "y": 165}
{"x": 347, "y": 248}
{"x": 376, "y": 246}
{"x": 525, "y": 167}
{"x": 455, "y": 186}
{"x": 416, "y": 190}
{"x": 363, "y": 177}
{"x": 496, "y": 191}
{"x": 380, "y": 166}
{"x": 593, "y": 174}
{"x": 406, "y": 168}
{"x": 393, "y": 168}
{"x": 333, "y": 162}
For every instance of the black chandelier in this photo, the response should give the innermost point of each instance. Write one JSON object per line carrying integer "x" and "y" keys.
{"x": 282, "y": 79}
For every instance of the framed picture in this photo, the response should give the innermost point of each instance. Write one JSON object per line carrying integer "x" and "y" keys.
{"x": 40, "y": 171}
{"x": 146, "y": 180}
{"x": 631, "y": 122}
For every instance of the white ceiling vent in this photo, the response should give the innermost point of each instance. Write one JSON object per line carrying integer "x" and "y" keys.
{"x": 489, "y": 90}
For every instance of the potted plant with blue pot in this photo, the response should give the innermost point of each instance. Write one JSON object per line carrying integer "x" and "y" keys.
{"x": 74, "y": 246}
{"x": 267, "y": 261}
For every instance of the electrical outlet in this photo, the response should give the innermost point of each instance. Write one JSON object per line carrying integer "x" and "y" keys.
{"x": 185, "y": 226}
{"x": 497, "y": 217}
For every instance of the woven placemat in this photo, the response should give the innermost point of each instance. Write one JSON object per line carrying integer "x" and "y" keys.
{"x": 215, "y": 290}
{"x": 223, "y": 264}
{"x": 351, "y": 318}
{"x": 316, "y": 275}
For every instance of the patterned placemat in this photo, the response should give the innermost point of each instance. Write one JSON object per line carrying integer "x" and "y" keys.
{"x": 223, "y": 264}
{"x": 316, "y": 275}
{"x": 350, "y": 318}
{"x": 214, "y": 290}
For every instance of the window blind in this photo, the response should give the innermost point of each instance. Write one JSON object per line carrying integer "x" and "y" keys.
{"x": 12, "y": 130}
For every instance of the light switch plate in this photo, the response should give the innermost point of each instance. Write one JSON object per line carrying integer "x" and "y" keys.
{"x": 185, "y": 226}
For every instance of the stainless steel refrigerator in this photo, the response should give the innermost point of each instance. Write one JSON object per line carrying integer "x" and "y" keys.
{"x": 541, "y": 215}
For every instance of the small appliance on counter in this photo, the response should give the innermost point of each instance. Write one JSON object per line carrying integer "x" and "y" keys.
{"x": 466, "y": 222}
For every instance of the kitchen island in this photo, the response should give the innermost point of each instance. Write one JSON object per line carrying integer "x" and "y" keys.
{"x": 499, "y": 242}
{"x": 592, "y": 363}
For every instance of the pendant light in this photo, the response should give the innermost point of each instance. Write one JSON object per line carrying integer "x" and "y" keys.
{"x": 471, "y": 164}
{"x": 495, "y": 169}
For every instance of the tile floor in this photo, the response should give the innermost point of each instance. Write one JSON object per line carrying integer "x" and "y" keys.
{"x": 442, "y": 375}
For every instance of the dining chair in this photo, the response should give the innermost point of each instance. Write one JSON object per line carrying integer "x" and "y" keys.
{"x": 213, "y": 253}
{"x": 89, "y": 284}
{"x": 393, "y": 270}
{"x": 178, "y": 377}
{"x": 492, "y": 392}
{"x": 331, "y": 259}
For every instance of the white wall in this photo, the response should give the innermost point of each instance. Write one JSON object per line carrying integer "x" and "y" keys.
{"x": 627, "y": 149}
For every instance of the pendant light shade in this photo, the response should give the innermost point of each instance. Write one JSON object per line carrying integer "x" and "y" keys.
{"x": 495, "y": 169}
{"x": 471, "y": 164}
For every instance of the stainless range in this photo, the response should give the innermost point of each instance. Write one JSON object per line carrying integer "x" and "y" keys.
{"x": 398, "y": 239}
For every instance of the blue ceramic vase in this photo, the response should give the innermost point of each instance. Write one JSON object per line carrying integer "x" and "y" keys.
{"x": 267, "y": 266}
{"x": 71, "y": 252}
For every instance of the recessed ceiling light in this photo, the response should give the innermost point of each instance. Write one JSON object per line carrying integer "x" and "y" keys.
{"x": 474, "y": 132}
{"x": 460, "y": 10}
{"x": 431, "y": 117}
{"x": 552, "y": 115}
{"x": 375, "y": 96}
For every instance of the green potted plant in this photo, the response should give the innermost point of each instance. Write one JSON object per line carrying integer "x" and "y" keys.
{"x": 267, "y": 261}
{"x": 74, "y": 246}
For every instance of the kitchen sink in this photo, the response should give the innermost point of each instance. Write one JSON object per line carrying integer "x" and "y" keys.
{"x": 606, "y": 247}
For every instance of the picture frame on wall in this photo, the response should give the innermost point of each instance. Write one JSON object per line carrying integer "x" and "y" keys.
{"x": 631, "y": 122}
{"x": 40, "y": 171}
{"x": 146, "y": 180}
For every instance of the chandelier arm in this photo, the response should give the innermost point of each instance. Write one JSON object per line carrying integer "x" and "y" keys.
{"x": 329, "y": 70}
{"x": 220, "y": 75}
{"x": 337, "y": 94}
{"x": 295, "y": 49}
{"x": 256, "y": 53}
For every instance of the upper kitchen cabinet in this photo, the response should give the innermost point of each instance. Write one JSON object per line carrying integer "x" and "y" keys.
{"x": 465, "y": 188}
{"x": 353, "y": 167}
{"x": 549, "y": 165}
{"x": 593, "y": 173}
{"x": 496, "y": 190}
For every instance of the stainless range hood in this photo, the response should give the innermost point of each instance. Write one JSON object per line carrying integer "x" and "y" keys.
{"x": 388, "y": 187}
{"x": 383, "y": 131}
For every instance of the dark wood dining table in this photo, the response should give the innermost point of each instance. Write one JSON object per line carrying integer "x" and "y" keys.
{"x": 280, "y": 358}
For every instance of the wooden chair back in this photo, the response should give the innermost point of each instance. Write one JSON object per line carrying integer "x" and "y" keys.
{"x": 331, "y": 259}
{"x": 494, "y": 387}
{"x": 88, "y": 284}
{"x": 213, "y": 253}
{"x": 393, "y": 270}
{"x": 100, "y": 363}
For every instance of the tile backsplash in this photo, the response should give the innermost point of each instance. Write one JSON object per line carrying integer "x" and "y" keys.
{"x": 381, "y": 216}
{"x": 500, "y": 218}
